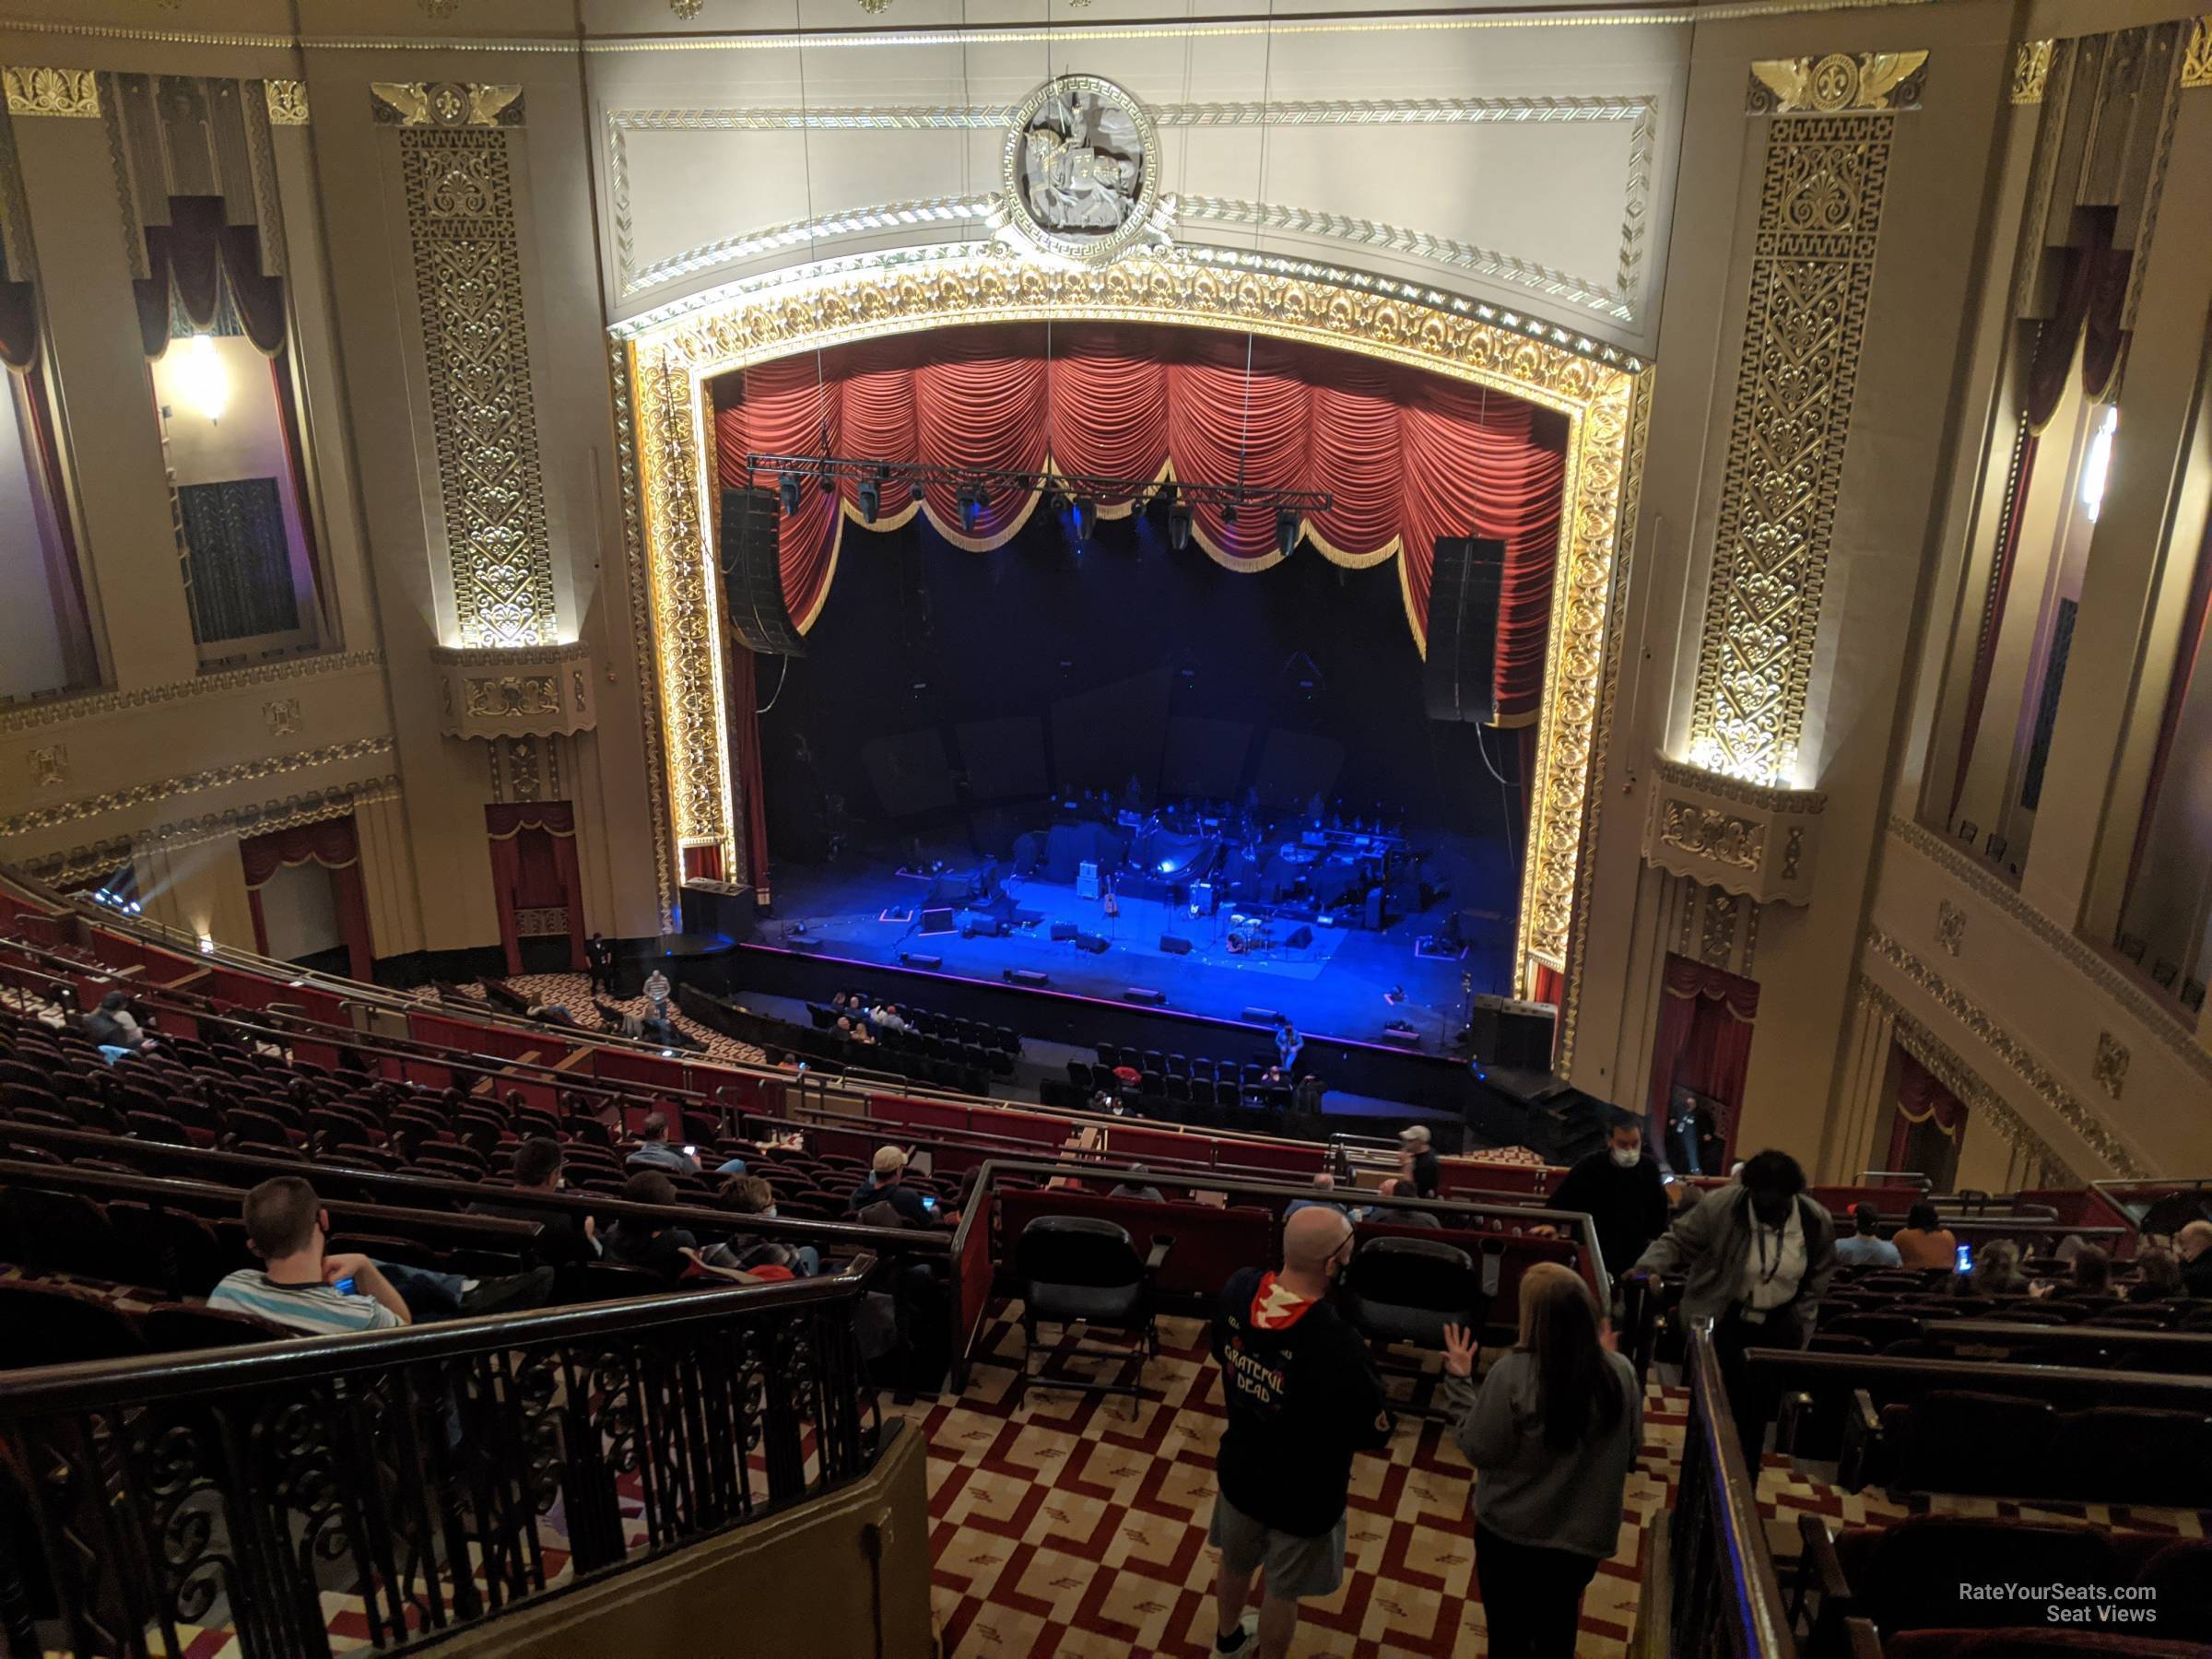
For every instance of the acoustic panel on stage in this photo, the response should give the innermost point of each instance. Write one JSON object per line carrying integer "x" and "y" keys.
{"x": 1004, "y": 758}
{"x": 1204, "y": 758}
{"x": 909, "y": 772}
{"x": 1296, "y": 766}
{"x": 1102, "y": 738}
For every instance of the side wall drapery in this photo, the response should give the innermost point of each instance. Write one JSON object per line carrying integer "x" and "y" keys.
{"x": 334, "y": 844}
{"x": 1921, "y": 1098}
{"x": 1706, "y": 1022}
{"x": 534, "y": 866}
{"x": 1992, "y": 617}
{"x": 1408, "y": 457}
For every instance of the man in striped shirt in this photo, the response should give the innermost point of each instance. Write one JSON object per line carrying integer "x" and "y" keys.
{"x": 299, "y": 1286}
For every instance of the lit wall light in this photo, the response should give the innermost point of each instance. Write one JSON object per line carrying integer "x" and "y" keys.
{"x": 202, "y": 378}
{"x": 206, "y": 943}
{"x": 2096, "y": 466}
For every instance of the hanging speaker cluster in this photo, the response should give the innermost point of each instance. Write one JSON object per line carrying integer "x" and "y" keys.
{"x": 1463, "y": 629}
{"x": 752, "y": 574}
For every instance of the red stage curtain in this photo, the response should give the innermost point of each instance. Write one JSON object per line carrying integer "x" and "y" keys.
{"x": 534, "y": 866}
{"x": 1406, "y": 456}
{"x": 1706, "y": 1021}
{"x": 334, "y": 844}
{"x": 1992, "y": 622}
{"x": 1920, "y": 1099}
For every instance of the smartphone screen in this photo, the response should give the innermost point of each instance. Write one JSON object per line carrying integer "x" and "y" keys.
{"x": 691, "y": 1151}
{"x": 928, "y": 1203}
{"x": 344, "y": 1286}
{"x": 1966, "y": 1259}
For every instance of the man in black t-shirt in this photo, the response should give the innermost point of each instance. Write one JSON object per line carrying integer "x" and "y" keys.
{"x": 1619, "y": 1188}
{"x": 1302, "y": 1397}
{"x": 1418, "y": 1161}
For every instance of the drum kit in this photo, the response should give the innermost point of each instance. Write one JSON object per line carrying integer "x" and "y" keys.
{"x": 1248, "y": 934}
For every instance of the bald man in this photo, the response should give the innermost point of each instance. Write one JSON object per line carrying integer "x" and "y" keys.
{"x": 2193, "y": 1244}
{"x": 1302, "y": 1397}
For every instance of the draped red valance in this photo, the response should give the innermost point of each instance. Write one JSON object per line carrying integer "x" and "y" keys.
{"x": 1406, "y": 456}
{"x": 1921, "y": 1099}
{"x": 334, "y": 844}
{"x": 1704, "y": 1038}
{"x": 555, "y": 818}
{"x": 191, "y": 259}
{"x": 1686, "y": 978}
{"x": 2092, "y": 299}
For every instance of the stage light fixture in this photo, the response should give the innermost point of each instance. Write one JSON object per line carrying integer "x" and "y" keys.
{"x": 1287, "y": 526}
{"x": 1179, "y": 526}
{"x": 1229, "y": 513}
{"x": 1087, "y": 518}
{"x": 916, "y": 491}
{"x": 789, "y": 488}
{"x": 871, "y": 499}
{"x": 971, "y": 507}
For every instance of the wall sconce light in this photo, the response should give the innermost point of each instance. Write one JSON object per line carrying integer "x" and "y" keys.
{"x": 202, "y": 378}
{"x": 206, "y": 943}
{"x": 2096, "y": 466}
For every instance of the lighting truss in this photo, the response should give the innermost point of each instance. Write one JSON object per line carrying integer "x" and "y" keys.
{"x": 893, "y": 477}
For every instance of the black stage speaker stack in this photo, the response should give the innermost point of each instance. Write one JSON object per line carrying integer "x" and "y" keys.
{"x": 717, "y": 909}
{"x": 1065, "y": 929}
{"x": 1300, "y": 938}
{"x": 1094, "y": 943}
{"x": 1516, "y": 1035}
{"x": 1145, "y": 994}
{"x": 1174, "y": 944}
{"x": 1463, "y": 629}
{"x": 752, "y": 574}
{"x": 1262, "y": 1017}
{"x": 917, "y": 959}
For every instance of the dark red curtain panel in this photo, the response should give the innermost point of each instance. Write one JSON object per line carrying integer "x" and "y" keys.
{"x": 333, "y": 843}
{"x": 1408, "y": 457}
{"x": 1992, "y": 619}
{"x": 1706, "y": 1017}
{"x": 1920, "y": 1099}
{"x": 191, "y": 259}
{"x": 535, "y": 867}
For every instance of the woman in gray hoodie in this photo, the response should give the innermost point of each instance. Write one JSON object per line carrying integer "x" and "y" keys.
{"x": 1553, "y": 1433}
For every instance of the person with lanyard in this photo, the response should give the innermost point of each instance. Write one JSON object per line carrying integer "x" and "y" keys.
{"x": 1758, "y": 1255}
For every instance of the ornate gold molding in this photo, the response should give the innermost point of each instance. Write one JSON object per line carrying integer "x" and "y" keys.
{"x": 287, "y": 101}
{"x": 2031, "y": 69}
{"x": 1752, "y": 841}
{"x": 73, "y": 93}
{"x": 2197, "y": 53}
{"x": 1820, "y": 208}
{"x": 1837, "y": 83}
{"x": 669, "y": 358}
{"x": 216, "y": 777}
{"x": 531, "y": 692}
{"x": 445, "y": 104}
{"x": 1950, "y": 927}
{"x": 1963, "y": 1080}
{"x": 469, "y": 281}
{"x": 99, "y": 857}
{"x": 2001, "y": 1043}
{"x": 2110, "y": 1067}
{"x": 49, "y": 766}
{"x": 98, "y": 703}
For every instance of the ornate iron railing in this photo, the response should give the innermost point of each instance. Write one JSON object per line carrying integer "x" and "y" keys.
{"x": 1724, "y": 1597}
{"x": 414, "y": 1481}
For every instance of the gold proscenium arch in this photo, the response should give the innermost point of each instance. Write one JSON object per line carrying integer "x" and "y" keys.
{"x": 663, "y": 361}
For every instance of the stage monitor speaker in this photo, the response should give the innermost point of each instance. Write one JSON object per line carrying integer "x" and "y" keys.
{"x": 981, "y": 923}
{"x": 1065, "y": 929}
{"x": 1300, "y": 938}
{"x": 1265, "y": 1016}
{"x": 752, "y": 573}
{"x": 916, "y": 959}
{"x": 937, "y": 921}
{"x": 1514, "y": 1034}
{"x": 1463, "y": 629}
{"x": 1145, "y": 994}
{"x": 1404, "y": 1037}
{"x": 1025, "y": 976}
{"x": 1027, "y": 918}
{"x": 1174, "y": 944}
{"x": 1094, "y": 943}
{"x": 804, "y": 945}
{"x": 718, "y": 909}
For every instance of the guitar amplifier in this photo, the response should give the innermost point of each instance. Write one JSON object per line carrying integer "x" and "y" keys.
{"x": 1086, "y": 880}
{"x": 1203, "y": 900}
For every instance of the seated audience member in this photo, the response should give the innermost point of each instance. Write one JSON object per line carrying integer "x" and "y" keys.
{"x": 1396, "y": 1186}
{"x": 1620, "y": 1189}
{"x": 2092, "y": 1272}
{"x": 654, "y": 1152}
{"x": 1924, "y": 1241}
{"x": 562, "y": 1240}
{"x": 1138, "y": 1189}
{"x": 670, "y": 1251}
{"x": 2193, "y": 1244}
{"x": 889, "y": 1017}
{"x": 886, "y": 1185}
{"x": 303, "y": 1288}
{"x": 1326, "y": 1183}
{"x": 2160, "y": 1277}
{"x": 1997, "y": 1270}
{"x": 750, "y": 1196}
{"x": 1554, "y": 1432}
{"x": 112, "y": 1025}
{"x": 1865, "y": 1247}
{"x": 1417, "y": 1162}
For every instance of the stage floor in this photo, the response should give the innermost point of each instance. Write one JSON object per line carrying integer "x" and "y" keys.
{"x": 1340, "y": 985}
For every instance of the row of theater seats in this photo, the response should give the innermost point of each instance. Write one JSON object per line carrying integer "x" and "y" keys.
{"x": 952, "y": 1029}
{"x": 968, "y": 1070}
{"x": 991, "y": 1049}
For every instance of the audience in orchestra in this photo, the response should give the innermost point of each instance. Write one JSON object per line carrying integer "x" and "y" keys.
{"x": 654, "y": 1152}
{"x": 1138, "y": 1189}
{"x": 1326, "y": 1183}
{"x": 1396, "y": 1186}
{"x": 885, "y": 1185}
{"x": 1865, "y": 1247}
{"x": 751, "y": 1195}
{"x": 1997, "y": 1270}
{"x": 114, "y": 1026}
{"x": 2093, "y": 1271}
{"x": 1418, "y": 1161}
{"x": 2158, "y": 1275}
{"x": 1622, "y": 1191}
{"x": 564, "y": 1240}
{"x": 2193, "y": 1244}
{"x": 668, "y": 1251}
{"x": 1758, "y": 1254}
{"x": 1553, "y": 1433}
{"x": 1923, "y": 1241}
{"x": 1302, "y": 1396}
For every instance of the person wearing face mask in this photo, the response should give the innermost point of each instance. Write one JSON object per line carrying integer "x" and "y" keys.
{"x": 750, "y": 1196}
{"x": 1759, "y": 1255}
{"x": 1620, "y": 1189}
{"x": 1302, "y": 1396}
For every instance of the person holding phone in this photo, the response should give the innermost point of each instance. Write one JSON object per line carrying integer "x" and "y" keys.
{"x": 886, "y": 1185}
{"x": 1924, "y": 1241}
{"x": 1553, "y": 1433}
{"x": 654, "y": 1152}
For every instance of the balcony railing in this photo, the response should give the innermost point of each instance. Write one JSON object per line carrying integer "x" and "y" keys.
{"x": 437, "y": 1475}
{"x": 1724, "y": 1597}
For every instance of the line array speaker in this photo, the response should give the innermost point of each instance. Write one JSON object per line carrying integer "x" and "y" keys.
{"x": 752, "y": 574}
{"x": 1463, "y": 629}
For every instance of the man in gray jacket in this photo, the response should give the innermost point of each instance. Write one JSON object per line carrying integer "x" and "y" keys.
{"x": 1759, "y": 1255}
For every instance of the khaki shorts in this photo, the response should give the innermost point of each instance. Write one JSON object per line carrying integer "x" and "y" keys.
{"x": 1298, "y": 1568}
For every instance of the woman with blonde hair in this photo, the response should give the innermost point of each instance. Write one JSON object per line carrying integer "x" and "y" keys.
{"x": 1553, "y": 1433}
